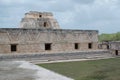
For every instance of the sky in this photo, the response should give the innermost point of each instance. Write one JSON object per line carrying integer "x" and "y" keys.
{"x": 102, "y": 15}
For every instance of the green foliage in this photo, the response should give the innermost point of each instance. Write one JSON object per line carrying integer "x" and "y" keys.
{"x": 118, "y": 36}
{"x": 110, "y": 37}
{"x": 106, "y": 69}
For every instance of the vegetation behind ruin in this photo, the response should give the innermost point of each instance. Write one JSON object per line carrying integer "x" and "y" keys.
{"x": 109, "y": 37}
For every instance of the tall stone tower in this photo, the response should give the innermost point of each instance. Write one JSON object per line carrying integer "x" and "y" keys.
{"x": 39, "y": 20}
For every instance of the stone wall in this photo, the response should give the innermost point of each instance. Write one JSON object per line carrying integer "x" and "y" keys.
{"x": 114, "y": 47}
{"x": 58, "y": 56}
{"x": 103, "y": 45}
{"x": 34, "y": 40}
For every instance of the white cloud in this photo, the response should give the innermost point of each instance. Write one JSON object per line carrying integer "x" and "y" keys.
{"x": 84, "y": 1}
{"x": 74, "y": 14}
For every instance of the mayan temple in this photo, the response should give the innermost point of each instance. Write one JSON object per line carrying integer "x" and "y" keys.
{"x": 39, "y": 36}
{"x": 40, "y": 32}
{"x": 40, "y": 20}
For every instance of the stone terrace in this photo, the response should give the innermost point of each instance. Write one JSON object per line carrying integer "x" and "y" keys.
{"x": 46, "y": 57}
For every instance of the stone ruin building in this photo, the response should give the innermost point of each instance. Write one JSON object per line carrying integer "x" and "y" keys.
{"x": 40, "y": 32}
{"x": 112, "y": 46}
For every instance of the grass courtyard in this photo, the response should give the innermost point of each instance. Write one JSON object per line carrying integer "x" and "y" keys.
{"x": 106, "y": 69}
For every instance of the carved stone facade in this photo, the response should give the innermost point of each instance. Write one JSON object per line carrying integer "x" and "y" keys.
{"x": 41, "y": 20}
{"x": 36, "y": 39}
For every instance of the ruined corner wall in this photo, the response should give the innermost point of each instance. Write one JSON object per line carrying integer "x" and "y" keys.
{"x": 34, "y": 40}
{"x": 114, "y": 47}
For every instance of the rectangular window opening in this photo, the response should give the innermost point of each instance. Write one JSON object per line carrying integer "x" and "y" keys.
{"x": 76, "y": 46}
{"x": 90, "y": 45}
{"x": 13, "y": 47}
{"x": 48, "y": 46}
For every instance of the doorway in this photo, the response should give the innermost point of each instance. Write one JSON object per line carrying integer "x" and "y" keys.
{"x": 47, "y": 46}
{"x": 116, "y": 52}
{"x": 13, "y": 47}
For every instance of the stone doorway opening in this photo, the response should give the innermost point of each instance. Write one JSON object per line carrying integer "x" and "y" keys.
{"x": 13, "y": 47}
{"x": 108, "y": 47}
{"x": 89, "y": 45}
{"x": 47, "y": 46}
{"x": 76, "y": 46}
{"x": 116, "y": 52}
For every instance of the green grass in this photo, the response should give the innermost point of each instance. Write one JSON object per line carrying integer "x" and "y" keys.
{"x": 107, "y": 69}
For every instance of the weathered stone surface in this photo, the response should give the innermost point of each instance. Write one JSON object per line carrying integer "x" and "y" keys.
{"x": 33, "y": 40}
{"x": 58, "y": 56}
{"x": 112, "y": 46}
{"x": 41, "y": 20}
